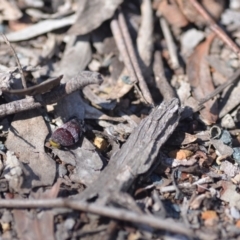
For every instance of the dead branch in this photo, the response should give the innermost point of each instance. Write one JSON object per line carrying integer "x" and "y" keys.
{"x": 170, "y": 43}
{"x": 220, "y": 88}
{"x": 120, "y": 214}
{"x": 163, "y": 85}
{"x": 215, "y": 28}
{"x": 138, "y": 154}
{"x": 81, "y": 80}
{"x": 119, "y": 28}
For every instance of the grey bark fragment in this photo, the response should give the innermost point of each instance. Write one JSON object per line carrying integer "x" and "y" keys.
{"x": 138, "y": 154}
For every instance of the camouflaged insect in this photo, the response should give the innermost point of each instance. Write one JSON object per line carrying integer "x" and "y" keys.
{"x": 67, "y": 135}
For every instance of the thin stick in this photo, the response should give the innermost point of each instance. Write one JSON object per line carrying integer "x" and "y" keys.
{"x": 128, "y": 41}
{"x": 213, "y": 25}
{"x": 122, "y": 48}
{"x": 220, "y": 88}
{"x": 162, "y": 84}
{"x": 119, "y": 39}
{"x": 170, "y": 43}
{"x": 24, "y": 84}
{"x": 116, "y": 213}
{"x": 81, "y": 80}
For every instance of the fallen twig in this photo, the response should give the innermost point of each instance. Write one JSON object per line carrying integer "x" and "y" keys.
{"x": 120, "y": 214}
{"x": 163, "y": 85}
{"x": 24, "y": 84}
{"x": 172, "y": 188}
{"x": 125, "y": 45}
{"x": 215, "y": 28}
{"x": 81, "y": 80}
{"x": 220, "y": 88}
{"x": 170, "y": 43}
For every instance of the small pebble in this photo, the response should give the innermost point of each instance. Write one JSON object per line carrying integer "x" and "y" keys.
{"x": 234, "y": 213}
{"x": 69, "y": 223}
{"x": 234, "y": 63}
{"x": 225, "y": 53}
{"x": 191, "y": 38}
{"x": 234, "y": 4}
{"x": 228, "y": 122}
{"x": 236, "y": 154}
{"x": 127, "y": 80}
{"x": 62, "y": 171}
{"x": 94, "y": 65}
{"x": 2, "y": 147}
{"x": 226, "y": 137}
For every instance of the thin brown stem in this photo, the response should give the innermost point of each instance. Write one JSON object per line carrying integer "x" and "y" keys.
{"x": 124, "y": 53}
{"x": 132, "y": 54}
{"x": 122, "y": 48}
{"x": 213, "y": 25}
{"x": 170, "y": 43}
{"x": 115, "y": 213}
{"x": 219, "y": 89}
{"x": 81, "y": 80}
{"x": 162, "y": 84}
{"x": 24, "y": 84}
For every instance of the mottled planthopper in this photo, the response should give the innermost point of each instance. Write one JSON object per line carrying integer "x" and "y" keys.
{"x": 68, "y": 134}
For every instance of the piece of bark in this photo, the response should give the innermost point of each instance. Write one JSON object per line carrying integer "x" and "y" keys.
{"x": 138, "y": 153}
{"x": 26, "y": 138}
{"x": 85, "y": 159}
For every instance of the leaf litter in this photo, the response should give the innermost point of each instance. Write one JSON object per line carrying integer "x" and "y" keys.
{"x": 143, "y": 165}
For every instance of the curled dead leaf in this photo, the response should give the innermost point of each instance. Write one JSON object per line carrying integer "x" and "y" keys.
{"x": 201, "y": 81}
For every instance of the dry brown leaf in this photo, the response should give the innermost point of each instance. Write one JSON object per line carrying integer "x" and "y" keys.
{"x": 210, "y": 217}
{"x": 230, "y": 195}
{"x": 37, "y": 225}
{"x": 213, "y": 7}
{"x": 18, "y": 25}
{"x": 172, "y": 13}
{"x": 200, "y": 80}
{"x": 91, "y": 14}
{"x": 27, "y": 135}
{"x": 180, "y": 154}
{"x": 45, "y": 86}
{"x": 238, "y": 223}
